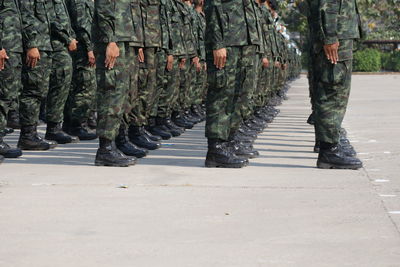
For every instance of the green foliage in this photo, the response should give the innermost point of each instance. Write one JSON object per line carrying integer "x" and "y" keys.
{"x": 391, "y": 61}
{"x": 368, "y": 60}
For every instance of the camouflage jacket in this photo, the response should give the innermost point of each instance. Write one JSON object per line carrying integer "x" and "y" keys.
{"x": 36, "y": 19}
{"x": 176, "y": 43}
{"x": 231, "y": 23}
{"x": 61, "y": 29}
{"x": 271, "y": 49}
{"x": 151, "y": 22}
{"x": 188, "y": 32}
{"x": 10, "y": 26}
{"x": 118, "y": 21}
{"x": 165, "y": 25}
{"x": 81, "y": 13}
{"x": 340, "y": 19}
{"x": 201, "y": 31}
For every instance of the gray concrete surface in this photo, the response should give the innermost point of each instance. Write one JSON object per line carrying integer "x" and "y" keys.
{"x": 57, "y": 209}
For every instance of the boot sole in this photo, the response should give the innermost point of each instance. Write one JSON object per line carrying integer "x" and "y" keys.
{"x": 107, "y": 164}
{"x": 12, "y": 155}
{"x": 34, "y": 148}
{"x": 213, "y": 164}
{"x": 323, "y": 165}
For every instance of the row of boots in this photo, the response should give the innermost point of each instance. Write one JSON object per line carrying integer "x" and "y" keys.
{"x": 236, "y": 152}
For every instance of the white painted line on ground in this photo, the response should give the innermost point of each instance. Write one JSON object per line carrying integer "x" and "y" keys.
{"x": 381, "y": 180}
{"x": 388, "y": 195}
{"x": 373, "y": 170}
{"x": 372, "y": 141}
{"x": 363, "y": 153}
{"x": 387, "y": 152}
{"x": 395, "y": 212}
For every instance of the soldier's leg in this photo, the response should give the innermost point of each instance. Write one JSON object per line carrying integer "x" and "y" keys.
{"x": 60, "y": 85}
{"x": 10, "y": 81}
{"x": 138, "y": 102}
{"x": 113, "y": 86}
{"x": 82, "y": 97}
{"x": 156, "y": 127}
{"x": 331, "y": 98}
{"x": 221, "y": 101}
{"x": 35, "y": 87}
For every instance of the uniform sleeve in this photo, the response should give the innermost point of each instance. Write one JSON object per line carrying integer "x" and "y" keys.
{"x": 105, "y": 12}
{"x": 30, "y": 35}
{"x": 214, "y": 32}
{"x": 81, "y": 24}
{"x": 329, "y": 10}
{"x": 64, "y": 35}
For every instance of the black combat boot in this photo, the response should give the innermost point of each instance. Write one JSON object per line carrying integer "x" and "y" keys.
{"x": 108, "y": 155}
{"x": 264, "y": 116}
{"x": 169, "y": 126}
{"x": 220, "y": 155}
{"x": 187, "y": 114}
{"x": 332, "y": 157}
{"x": 126, "y": 147}
{"x": 8, "y": 130}
{"x": 7, "y": 151}
{"x": 243, "y": 129}
{"x": 1, "y": 159}
{"x": 243, "y": 150}
{"x": 81, "y": 131}
{"x": 138, "y": 137}
{"x": 196, "y": 111}
{"x": 13, "y": 120}
{"x": 180, "y": 120}
{"x": 30, "y": 140}
{"x": 238, "y": 136}
{"x": 54, "y": 132}
{"x": 158, "y": 130}
{"x": 253, "y": 126}
{"x": 259, "y": 122}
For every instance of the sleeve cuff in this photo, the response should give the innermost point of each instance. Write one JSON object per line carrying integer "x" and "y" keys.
{"x": 330, "y": 40}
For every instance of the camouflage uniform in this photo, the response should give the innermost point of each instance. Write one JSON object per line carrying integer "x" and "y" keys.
{"x": 61, "y": 70}
{"x": 231, "y": 25}
{"x": 82, "y": 98}
{"x": 37, "y": 17}
{"x": 148, "y": 69}
{"x": 200, "y": 82}
{"x": 332, "y": 86}
{"x": 169, "y": 96}
{"x": 189, "y": 70}
{"x": 11, "y": 41}
{"x": 117, "y": 87}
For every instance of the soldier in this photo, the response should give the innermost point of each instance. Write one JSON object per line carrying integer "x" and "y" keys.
{"x": 175, "y": 61}
{"x": 339, "y": 27}
{"x": 82, "y": 97}
{"x": 37, "y": 17}
{"x": 63, "y": 41}
{"x": 10, "y": 67}
{"x": 231, "y": 48}
{"x": 116, "y": 61}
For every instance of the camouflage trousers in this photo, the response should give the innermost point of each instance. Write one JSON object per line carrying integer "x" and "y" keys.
{"x": 170, "y": 93}
{"x": 199, "y": 85}
{"x": 116, "y": 89}
{"x": 35, "y": 87}
{"x": 332, "y": 89}
{"x": 252, "y": 87}
{"x": 60, "y": 84}
{"x": 82, "y": 97}
{"x": 187, "y": 73}
{"x": 161, "y": 81}
{"x": 263, "y": 85}
{"x": 10, "y": 84}
{"x": 228, "y": 91}
{"x": 147, "y": 85}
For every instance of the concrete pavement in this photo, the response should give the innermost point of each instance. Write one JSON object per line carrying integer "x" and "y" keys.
{"x": 57, "y": 209}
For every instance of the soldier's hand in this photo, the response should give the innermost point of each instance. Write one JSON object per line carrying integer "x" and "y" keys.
{"x": 73, "y": 45}
{"x": 3, "y": 58}
{"x": 112, "y": 53}
{"x": 141, "y": 55}
{"x": 92, "y": 59}
{"x": 265, "y": 62}
{"x": 205, "y": 66}
{"x": 32, "y": 57}
{"x": 182, "y": 63}
{"x": 196, "y": 63}
{"x": 219, "y": 58}
{"x": 331, "y": 52}
{"x": 170, "y": 62}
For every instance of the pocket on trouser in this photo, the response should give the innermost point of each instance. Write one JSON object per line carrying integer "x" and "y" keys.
{"x": 217, "y": 79}
{"x": 334, "y": 74}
